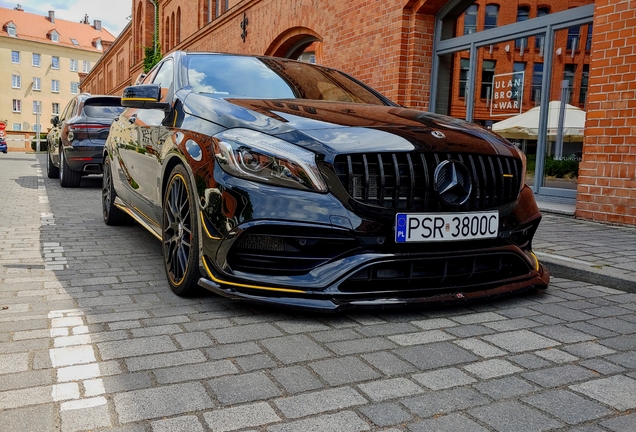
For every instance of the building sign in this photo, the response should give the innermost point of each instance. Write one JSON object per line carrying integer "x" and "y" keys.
{"x": 507, "y": 94}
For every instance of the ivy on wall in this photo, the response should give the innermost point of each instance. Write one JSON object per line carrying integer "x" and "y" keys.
{"x": 151, "y": 58}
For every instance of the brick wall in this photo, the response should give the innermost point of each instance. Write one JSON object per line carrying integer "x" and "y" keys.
{"x": 388, "y": 47}
{"x": 607, "y": 174}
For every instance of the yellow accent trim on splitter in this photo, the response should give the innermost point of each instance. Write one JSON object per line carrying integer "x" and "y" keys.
{"x": 140, "y": 99}
{"x": 536, "y": 261}
{"x": 205, "y": 228}
{"x": 219, "y": 281}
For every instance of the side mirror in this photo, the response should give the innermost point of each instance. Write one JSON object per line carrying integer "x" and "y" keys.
{"x": 55, "y": 120}
{"x": 144, "y": 96}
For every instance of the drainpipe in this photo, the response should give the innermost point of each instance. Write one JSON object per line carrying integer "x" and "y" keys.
{"x": 154, "y": 30}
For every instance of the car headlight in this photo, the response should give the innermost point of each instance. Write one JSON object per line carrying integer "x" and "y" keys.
{"x": 263, "y": 158}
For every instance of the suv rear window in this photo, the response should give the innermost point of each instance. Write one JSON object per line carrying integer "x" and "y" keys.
{"x": 103, "y": 107}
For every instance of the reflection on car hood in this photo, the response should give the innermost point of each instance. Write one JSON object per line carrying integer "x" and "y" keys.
{"x": 349, "y": 128}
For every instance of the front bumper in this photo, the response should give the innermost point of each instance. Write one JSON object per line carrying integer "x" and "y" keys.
{"x": 325, "y": 252}
{"x": 335, "y": 301}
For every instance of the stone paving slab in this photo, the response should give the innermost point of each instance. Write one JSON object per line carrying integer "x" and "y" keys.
{"x": 100, "y": 343}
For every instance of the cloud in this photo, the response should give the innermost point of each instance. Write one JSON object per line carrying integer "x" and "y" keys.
{"x": 113, "y": 14}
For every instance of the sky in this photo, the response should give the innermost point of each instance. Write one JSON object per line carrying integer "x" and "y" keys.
{"x": 114, "y": 14}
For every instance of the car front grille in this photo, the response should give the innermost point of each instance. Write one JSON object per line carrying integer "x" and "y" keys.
{"x": 405, "y": 181}
{"x": 434, "y": 274}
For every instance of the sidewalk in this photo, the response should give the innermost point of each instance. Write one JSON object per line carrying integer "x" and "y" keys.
{"x": 577, "y": 249}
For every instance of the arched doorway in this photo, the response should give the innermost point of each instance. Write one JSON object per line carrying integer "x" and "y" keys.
{"x": 297, "y": 43}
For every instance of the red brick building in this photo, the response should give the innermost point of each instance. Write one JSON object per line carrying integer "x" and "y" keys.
{"x": 412, "y": 51}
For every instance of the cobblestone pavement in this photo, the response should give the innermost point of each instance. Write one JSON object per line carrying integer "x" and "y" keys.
{"x": 92, "y": 338}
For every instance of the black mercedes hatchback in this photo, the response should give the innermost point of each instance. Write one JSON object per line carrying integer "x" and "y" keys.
{"x": 75, "y": 143}
{"x": 287, "y": 183}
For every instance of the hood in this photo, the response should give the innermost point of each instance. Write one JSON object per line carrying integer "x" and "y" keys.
{"x": 350, "y": 128}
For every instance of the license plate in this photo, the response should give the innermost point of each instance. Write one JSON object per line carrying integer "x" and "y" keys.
{"x": 438, "y": 227}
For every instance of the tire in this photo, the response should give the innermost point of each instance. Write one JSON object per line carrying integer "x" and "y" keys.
{"x": 113, "y": 215}
{"x": 52, "y": 171}
{"x": 179, "y": 234}
{"x": 68, "y": 177}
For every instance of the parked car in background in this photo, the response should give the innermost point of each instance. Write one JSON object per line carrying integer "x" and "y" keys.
{"x": 293, "y": 184}
{"x": 3, "y": 145}
{"x": 76, "y": 141}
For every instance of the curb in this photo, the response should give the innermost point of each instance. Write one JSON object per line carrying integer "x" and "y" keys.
{"x": 570, "y": 268}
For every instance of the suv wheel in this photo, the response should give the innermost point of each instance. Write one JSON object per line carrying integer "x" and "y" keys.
{"x": 51, "y": 170}
{"x": 68, "y": 177}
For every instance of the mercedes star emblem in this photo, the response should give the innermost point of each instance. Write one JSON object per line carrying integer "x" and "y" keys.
{"x": 452, "y": 182}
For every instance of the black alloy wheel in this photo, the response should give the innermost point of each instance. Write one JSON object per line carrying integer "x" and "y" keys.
{"x": 113, "y": 215}
{"x": 180, "y": 234}
{"x": 52, "y": 171}
{"x": 68, "y": 177}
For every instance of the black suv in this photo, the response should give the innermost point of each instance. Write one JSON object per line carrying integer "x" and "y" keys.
{"x": 76, "y": 141}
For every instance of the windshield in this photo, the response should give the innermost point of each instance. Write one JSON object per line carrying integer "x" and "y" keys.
{"x": 268, "y": 78}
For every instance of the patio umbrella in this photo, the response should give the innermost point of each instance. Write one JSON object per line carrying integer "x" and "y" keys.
{"x": 526, "y": 125}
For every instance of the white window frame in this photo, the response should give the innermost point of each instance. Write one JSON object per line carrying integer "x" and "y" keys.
{"x": 86, "y": 66}
{"x": 36, "y": 60}
{"x": 37, "y": 84}
{"x": 55, "y": 36}
{"x": 35, "y": 107}
{"x": 53, "y": 62}
{"x": 16, "y": 127}
{"x": 55, "y": 86}
{"x": 12, "y": 30}
{"x": 55, "y": 108}
{"x": 16, "y": 81}
{"x": 74, "y": 86}
{"x": 17, "y": 106}
{"x": 14, "y": 55}
{"x": 73, "y": 65}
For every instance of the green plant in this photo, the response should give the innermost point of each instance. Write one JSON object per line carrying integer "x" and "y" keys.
{"x": 43, "y": 142}
{"x": 561, "y": 168}
{"x": 152, "y": 57}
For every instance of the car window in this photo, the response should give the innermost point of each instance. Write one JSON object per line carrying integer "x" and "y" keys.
{"x": 104, "y": 111}
{"x": 164, "y": 78}
{"x": 265, "y": 78}
{"x": 69, "y": 110}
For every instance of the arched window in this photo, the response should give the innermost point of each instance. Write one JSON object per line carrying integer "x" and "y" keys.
{"x": 523, "y": 13}
{"x": 492, "y": 15}
{"x": 172, "y": 31}
{"x": 574, "y": 36}
{"x": 166, "y": 41}
{"x": 140, "y": 32}
{"x": 539, "y": 41}
{"x": 178, "y": 26}
{"x": 543, "y": 11}
{"x": 470, "y": 19}
{"x": 205, "y": 9}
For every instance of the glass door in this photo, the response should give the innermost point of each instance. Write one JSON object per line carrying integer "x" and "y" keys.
{"x": 503, "y": 67}
{"x": 566, "y": 110}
